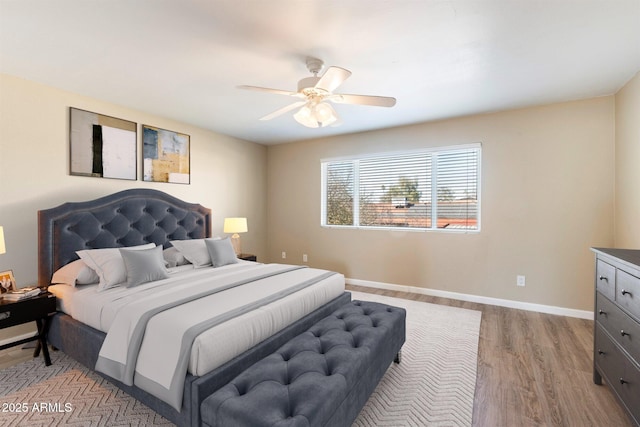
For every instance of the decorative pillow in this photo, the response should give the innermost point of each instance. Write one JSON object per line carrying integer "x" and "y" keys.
{"x": 143, "y": 266}
{"x": 221, "y": 252}
{"x": 108, "y": 264}
{"x": 173, "y": 257}
{"x": 195, "y": 251}
{"x": 75, "y": 273}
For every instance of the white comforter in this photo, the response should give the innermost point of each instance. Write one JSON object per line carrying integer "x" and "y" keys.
{"x": 119, "y": 310}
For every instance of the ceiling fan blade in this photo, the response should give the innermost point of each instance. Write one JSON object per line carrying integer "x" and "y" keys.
{"x": 332, "y": 78}
{"x": 269, "y": 90}
{"x": 376, "y": 101}
{"x": 283, "y": 110}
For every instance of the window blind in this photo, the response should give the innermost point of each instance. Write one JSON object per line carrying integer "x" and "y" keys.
{"x": 435, "y": 189}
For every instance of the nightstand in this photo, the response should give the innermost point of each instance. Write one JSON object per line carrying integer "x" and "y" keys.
{"x": 248, "y": 257}
{"x": 35, "y": 309}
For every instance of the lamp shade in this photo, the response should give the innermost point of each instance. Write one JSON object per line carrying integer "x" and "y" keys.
{"x": 235, "y": 225}
{"x": 3, "y": 249}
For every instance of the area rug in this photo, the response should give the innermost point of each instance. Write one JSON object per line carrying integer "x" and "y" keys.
{"x": 433, "y": 385}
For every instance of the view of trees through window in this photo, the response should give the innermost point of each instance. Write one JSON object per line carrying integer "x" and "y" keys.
{"x": 426, "y": 190}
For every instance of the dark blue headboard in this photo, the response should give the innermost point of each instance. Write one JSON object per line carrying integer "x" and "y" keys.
{"x": 127, "y": 218}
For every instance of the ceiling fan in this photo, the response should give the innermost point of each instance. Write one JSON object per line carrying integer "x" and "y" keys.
{"x": 315, "y": 91}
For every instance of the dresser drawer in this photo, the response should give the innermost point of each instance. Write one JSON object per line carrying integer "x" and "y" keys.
{"x": 618, "y": 371}
{"x": 620, "y": 326}
{"x": 606, "y": 279}
{"x": 622, "y": 375}
{"x": 631, "y": 389}
{"x": 628, "y": 292}
{"x": 608, "y": 358}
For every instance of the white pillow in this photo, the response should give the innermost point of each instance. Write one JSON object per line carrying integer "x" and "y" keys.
{"x": 143, "y": 266}
{"x": 195, "y": 251}
{"x": 75, "y": 273}
{"x": 173, "y": 257}
{"x": 108, "y": 264}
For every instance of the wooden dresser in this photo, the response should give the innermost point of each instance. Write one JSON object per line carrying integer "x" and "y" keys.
{"x": 616, "y": 350}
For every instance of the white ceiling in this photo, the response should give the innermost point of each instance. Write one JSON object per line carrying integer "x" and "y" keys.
{"x": 440, "y": 59}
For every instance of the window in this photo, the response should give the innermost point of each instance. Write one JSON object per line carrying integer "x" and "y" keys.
{"x": 427, "y": 190}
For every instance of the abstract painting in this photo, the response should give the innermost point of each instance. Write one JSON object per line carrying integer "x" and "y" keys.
{"x": 102, "y": 146}
{"x": 166, "y": 156}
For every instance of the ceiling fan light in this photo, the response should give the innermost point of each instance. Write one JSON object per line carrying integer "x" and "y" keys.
{"x": 314, "y": 115}
{"x": 305, "y": 116}
{"x": 325, "y": 114}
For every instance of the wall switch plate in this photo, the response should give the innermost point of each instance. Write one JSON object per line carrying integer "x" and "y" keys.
{"x": 284, "y": 255}
{"x": 520, "y": 281}
{"x": 304, "y": 258}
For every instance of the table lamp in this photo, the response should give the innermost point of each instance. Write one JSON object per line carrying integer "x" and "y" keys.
{"x": 3, "y": 248}
{"x": 235, "y": 226}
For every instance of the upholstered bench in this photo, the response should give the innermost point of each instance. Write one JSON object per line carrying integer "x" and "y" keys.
{"x": 322, "y": 377}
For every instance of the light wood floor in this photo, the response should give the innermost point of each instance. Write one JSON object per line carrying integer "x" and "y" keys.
{"x": 534, "y": 369}
{"x": 14, "y": 355}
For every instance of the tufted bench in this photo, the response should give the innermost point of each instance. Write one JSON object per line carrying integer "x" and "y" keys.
{"x": 322, "y": 377}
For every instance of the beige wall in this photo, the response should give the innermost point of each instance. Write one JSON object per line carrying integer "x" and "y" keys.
{"x": 547, "y": 193}
{"x": 627, "y": 206}
{"x": 227, "y": 174}
{"x": 547, "y": 197}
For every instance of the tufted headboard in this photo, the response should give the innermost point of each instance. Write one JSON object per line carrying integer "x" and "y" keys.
{"x": 127, "y": 218}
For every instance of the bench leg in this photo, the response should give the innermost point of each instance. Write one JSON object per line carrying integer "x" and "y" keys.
{"x": 398, "y": 357}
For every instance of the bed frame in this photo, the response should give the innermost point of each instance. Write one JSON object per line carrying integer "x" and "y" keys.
{"x": 128, "y": 218}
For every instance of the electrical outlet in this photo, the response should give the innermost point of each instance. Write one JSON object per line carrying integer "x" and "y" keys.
{"x": 520, "y": 281}
{"x": 284, "y": 255}
{"x": 304, "y": 258}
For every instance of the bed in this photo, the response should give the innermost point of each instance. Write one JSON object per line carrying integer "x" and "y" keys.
{"x": 143, "y": 216}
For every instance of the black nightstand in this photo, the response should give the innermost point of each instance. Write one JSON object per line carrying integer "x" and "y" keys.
{"x": 248, "y": 257}
{"x": 34, "y": 309}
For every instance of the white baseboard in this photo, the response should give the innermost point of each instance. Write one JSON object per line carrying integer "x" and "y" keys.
{"x": 18, "y": 338}
{"x": 549, "y": 309}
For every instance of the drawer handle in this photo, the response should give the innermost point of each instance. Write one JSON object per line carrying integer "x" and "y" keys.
{"x": 623, "y": 333}
{"x": 601, "y": 353}
{"x": 625, "y": 292}
{"x": 602, "y": 312}
{"x": 623, "y": 382}
{"x": 605, "y": 278}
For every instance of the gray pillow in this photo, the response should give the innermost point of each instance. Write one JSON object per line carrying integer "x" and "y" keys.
{"x": 143, "y": 265}
{"x": 221, "y": 252}
{"x": 194, "y": 250}
{"x": 107, "y": 263}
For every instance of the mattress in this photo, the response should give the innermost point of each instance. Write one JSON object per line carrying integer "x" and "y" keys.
{"x": 219, "y": 344}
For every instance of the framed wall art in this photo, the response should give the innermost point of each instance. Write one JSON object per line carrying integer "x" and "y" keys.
{"x": 102, "y": 146}
{"x": 166, "y": 156}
